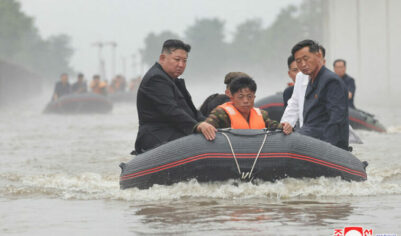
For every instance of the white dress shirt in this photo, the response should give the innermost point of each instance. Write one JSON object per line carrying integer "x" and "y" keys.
{"x": 295, "y": 108}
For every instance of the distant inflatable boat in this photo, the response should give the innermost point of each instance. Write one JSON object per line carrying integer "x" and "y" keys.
{"x": 240, "y": 154}
{"x": 358, "y": 119}
{"x": 123, "y": 97}
{"x": 273, "y": 104}
{"x": 80, "y": 103}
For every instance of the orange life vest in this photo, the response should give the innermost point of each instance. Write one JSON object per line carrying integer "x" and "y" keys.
{"x": 238, "y": 121}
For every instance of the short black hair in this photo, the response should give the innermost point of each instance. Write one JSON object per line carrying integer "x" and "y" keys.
{"x": 241, "y": 83}
{"x": 323, "y": 51}
{"x": 340, "y": 60}
{"x": 171, "y": 45}
{"x": 80, "y": 75}
{"x": 290, "y": 60}
{"x": 96, "y": 77}
{"x": 313, "y": 46}
{"x": 232, "y": 75}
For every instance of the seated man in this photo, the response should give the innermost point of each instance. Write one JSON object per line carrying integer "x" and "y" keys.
{"x": 134, "y": 84}
{"x": 80, "y": 85}
{"x": 240, "y": 113}
{"x": 98, "y": 86}
{"x": 117, "y": 84}
{"x": 165, "y": 108}
{"x": 217, "y": 99}
{"x": 61, "y": 88}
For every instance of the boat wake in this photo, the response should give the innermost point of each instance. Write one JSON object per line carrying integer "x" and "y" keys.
{"x": 93, "y": 186}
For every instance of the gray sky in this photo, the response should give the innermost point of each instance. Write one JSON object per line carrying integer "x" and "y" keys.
{"x": 128, "y": 22}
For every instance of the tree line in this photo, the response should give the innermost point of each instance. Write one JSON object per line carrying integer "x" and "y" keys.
{"x": 262, "y": 50}
{"x": 21, "y": 44}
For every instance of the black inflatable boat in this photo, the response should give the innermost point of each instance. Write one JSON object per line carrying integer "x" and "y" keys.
{"x": 123, "y": 97}
{"x": 358, "y": 119}
{"x": 240, "y": 154}
{"x": 273, "y": 104}
{"x": 80, "y": 103}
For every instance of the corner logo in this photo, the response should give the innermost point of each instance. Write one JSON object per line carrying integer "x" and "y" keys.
{"x": 353, "y": 231}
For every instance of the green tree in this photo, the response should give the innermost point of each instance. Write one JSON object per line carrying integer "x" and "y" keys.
{"x": 153, "y": 46}
{"x": 245, "y": 48}
{"x": 254, "y": 49}
{"x": 209, "y": 50}
{"x": 21, "y": 43}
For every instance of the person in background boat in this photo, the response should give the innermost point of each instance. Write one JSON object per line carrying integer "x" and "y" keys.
{"x": 325, "y": 114}
{"x": 217, "y": 99}
{"x": 117, "y": 85}
{"x": 62, "y": 87}
{"x": 80, "y": 85}
{"x": 134, "y": 84}
{"x": 165, "y": 108}
{"x": 98, "y": 86}
{"x": 292, "y": 73}
{"x": 240, "y": 112}
{"x": 340, "y": 67}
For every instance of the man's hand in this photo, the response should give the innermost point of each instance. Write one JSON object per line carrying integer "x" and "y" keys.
{"x": 349, "y": 95}
{"x": 287, "y": 128}
{"x": 208, "y": 130}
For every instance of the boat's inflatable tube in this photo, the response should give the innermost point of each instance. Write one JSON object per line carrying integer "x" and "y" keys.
{"x": 274, "y": 105}
{"x": 358, "y": 119}
{"x": 80, "y": 103}
{"x": 193, "y": 157}
{"x": 127, "y": 97}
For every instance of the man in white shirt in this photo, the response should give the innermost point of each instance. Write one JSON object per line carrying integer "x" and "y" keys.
{"x": 294, "y": 110}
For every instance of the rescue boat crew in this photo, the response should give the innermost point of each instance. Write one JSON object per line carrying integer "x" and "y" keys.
{"x": 62, "y": 87}
{"x": 216, "y": 99}
{"x": 240, "y": 112}
{"x": 98, "y": 86}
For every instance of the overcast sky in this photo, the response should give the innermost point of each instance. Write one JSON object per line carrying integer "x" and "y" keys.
{"x": 128, "y": 22}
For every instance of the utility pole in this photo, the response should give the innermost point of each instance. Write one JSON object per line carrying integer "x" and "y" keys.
{"x": 124, "y": 64}
{"x": 134, "y": 65}
{"x": 101, "y": 69}
{"x": 113, "y": 57}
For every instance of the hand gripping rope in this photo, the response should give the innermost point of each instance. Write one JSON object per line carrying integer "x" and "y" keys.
{"x": 245, "y": 175}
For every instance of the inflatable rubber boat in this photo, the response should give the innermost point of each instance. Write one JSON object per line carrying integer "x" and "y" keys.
{"x": 273, "y": 104}
{"x": 80, "y": 103}
{"x": 358, "y": 119}
{"x": 127, "y": 97}
{"x": 240, "y": 154}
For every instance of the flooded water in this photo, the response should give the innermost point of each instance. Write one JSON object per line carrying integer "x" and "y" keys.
{"x": 59, "y": 176}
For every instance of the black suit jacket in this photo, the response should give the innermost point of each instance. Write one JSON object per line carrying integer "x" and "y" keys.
{"x": 350, "y": 83}
{"x": 326, "y": 109}
{"x": 165, "y": 110}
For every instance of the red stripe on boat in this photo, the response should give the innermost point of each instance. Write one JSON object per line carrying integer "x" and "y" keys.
{"x": 242, "y": 156}
{"x": 278, "y": 104}
{"x": 366, "y": 124}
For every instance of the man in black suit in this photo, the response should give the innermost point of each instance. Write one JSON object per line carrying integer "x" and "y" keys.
{"x": 326, "y": 98}
{"x": 340, "y": 67}
{"x": 165, "y": 108}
